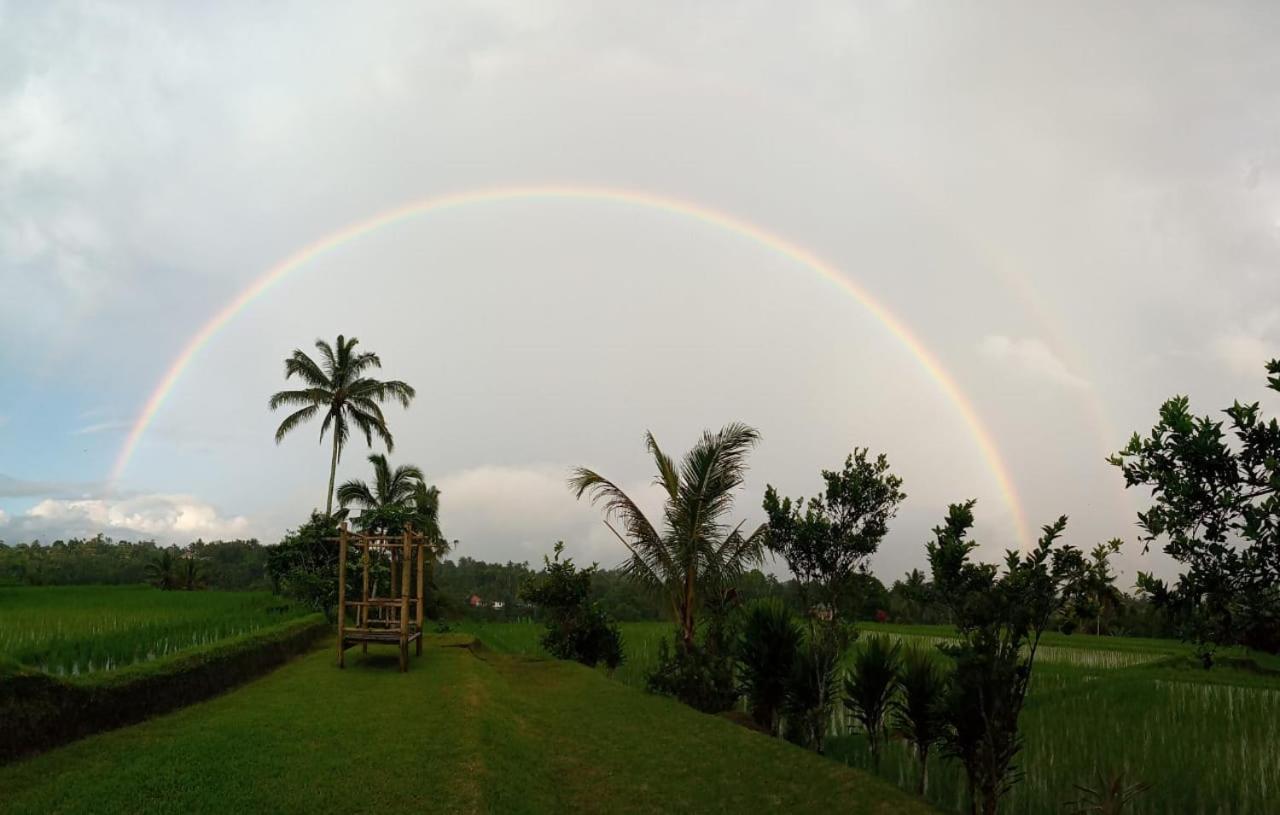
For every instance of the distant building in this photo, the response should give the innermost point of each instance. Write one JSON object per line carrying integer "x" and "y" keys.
{"x": 474, "y": 601}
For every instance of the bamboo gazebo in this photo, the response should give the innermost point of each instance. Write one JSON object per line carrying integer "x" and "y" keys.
{"x": 393, "y": 620}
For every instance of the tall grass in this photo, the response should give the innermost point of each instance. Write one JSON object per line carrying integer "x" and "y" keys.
{"x": 77, "y": 630}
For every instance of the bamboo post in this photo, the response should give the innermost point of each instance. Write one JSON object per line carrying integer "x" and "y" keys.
{"x": 404, "y": 603}
{"x": 394, "y": 557}
{"x": 342, "y": 595}
{"x": 364, "y": 609}
{"x": 422, "y": 591}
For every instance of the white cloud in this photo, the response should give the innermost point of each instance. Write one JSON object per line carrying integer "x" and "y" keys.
{"x": 1243, "y": 353}
{"x": 1031, "y": 356}
{"x": 164, "y": 517}
{"x": 495, "y": 510}
{"x": 101, "y": 427}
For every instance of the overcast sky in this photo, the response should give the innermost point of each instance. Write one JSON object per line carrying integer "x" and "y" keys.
{"x": 1074, "y": 207}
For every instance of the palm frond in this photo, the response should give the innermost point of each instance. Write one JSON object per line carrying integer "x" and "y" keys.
{"x": 667, "y": 477}
{"x": 358, "y": 493}
{"x": 371, "y": 425}
{"x": 362, "y": 362}
{"x": 309, "y": 396}
{"x": 305, "y": 368}
{"x": 294, "y": 419}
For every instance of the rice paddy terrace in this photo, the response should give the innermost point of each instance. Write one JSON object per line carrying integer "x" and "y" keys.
{"x": 1207, "y": 741}
{"x": 484, "y": 722}
{"x": 81, "y": 630}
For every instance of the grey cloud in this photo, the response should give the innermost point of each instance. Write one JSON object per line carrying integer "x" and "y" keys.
{"x": 1108, "y": 221}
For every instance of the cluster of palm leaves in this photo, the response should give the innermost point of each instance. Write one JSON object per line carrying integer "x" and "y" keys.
{"x": 397, "y": 498}
{"x": 339, "y": 388}
{"x": 170, "y": 571}
{"x": 693, "y": 557}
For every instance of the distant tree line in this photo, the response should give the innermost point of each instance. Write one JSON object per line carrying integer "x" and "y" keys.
{"x": 242, "y": 565}
{"x": 235, "y": 565}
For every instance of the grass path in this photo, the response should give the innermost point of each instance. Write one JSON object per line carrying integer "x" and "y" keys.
{"x": 483, "y": 732}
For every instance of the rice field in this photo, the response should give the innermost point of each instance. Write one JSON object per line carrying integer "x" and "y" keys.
{"x": 82, "y": 630}
{"x": 1207, "y": 742}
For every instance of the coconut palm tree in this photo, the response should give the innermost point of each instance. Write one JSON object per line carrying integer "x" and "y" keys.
{"x": 191, "y": 575}
{"x": 392, "y": 489}
{"x": 696, "y": 553}
{"x": 163, "y": 571}
{"x": 338, "y": 388}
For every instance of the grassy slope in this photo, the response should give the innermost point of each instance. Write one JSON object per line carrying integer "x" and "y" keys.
{"x": 464, "y": 731}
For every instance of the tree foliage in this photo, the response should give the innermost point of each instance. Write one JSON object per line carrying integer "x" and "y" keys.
{"x": 1216, "y": 505}
{"x": 305, "y": 565}
{"x": 693, "y": 557}
{"x": 577, "y": 628}
{"x": 828, "y": 540}
{"x": 1000, "y": 617}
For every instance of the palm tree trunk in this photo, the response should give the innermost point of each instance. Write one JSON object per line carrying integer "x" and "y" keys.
{"x": 688, "y": 623}
{"x": 924, "y": 772}
{"x": 333, "y": 471}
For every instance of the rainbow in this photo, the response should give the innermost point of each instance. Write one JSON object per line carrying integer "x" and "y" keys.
{"x": 673, "y": 206}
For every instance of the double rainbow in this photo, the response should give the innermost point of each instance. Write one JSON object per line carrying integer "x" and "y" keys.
{"x": 631, "y": 198}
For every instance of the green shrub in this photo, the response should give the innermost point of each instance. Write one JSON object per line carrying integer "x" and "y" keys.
{"x": 767, "y": 649}
{"x": 812, "y": 688}
{"x": 919, "y": 711}
{"x": 870, "y": 687}
{"x": 700, "y": 675}
{"x": 577, "y": 629}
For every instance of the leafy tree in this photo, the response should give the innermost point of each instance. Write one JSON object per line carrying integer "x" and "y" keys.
{"x": 827, "y": 541}
{"x": 1000, "y": 618}
{"x": 1216, "y": 504}
{"x": 696, "y": 555}
{"x": 305, "y": 565}
{"x": 339, "y": 388}
{"x": 912, "y": 600}
{"x": 767, "y": 645}
{"x": 919, "y": 712}
{"x": 577, "y": 629}
{"x": 869, "y": 688}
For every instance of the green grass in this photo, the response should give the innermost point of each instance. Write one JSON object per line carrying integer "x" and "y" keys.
{"x": 78, "y": 630}
{"x": 1208, "y": 741}
{"x": 464, "y": 731}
